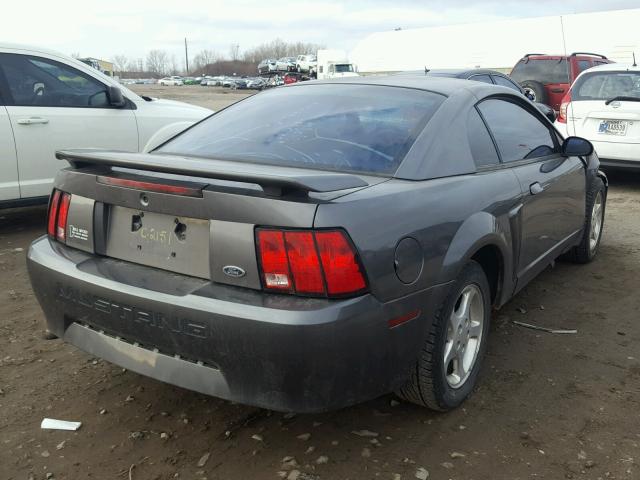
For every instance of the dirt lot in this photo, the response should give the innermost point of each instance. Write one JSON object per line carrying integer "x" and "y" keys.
{"x": 214, "y": 98}
{"x": 549, "y": 406}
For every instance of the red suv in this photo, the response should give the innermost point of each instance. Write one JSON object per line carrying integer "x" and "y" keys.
{"x": 546, "y": 78}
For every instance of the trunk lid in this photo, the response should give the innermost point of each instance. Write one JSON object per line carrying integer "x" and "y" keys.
{"x": 618, "y": 122}
{"x": 190, "y": 216}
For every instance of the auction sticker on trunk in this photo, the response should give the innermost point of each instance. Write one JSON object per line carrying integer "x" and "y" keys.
{"x": 613, "y": 127}
{"x": 178, "y": 244}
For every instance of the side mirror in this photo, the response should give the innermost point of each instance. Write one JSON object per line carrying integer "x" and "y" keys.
{"x": 576, "y": 147}
{"x": 116, "y": 99}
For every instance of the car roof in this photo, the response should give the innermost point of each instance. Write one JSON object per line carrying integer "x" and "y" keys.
{"x": 444, "y": 85}
{"x": 614, "y": 67}
{"x": 30, "y": 48}
{"x": 462, "y": 72}
{"x": 454, "y": 72}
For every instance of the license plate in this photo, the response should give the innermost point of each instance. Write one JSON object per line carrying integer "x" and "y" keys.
{"x": 613, "y": 127}
{"x": 178, "y": 244}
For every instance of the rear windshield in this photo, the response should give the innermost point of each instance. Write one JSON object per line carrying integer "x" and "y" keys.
{"x": 543, "y": 71}
{"x": 361, "y": 128}
{"x": 606, "y": 85}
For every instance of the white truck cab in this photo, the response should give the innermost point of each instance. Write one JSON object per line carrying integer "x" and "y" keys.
{"x": 50, "y": 102}
{"x": 334, "y": 64}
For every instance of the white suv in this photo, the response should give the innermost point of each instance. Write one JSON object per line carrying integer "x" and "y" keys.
{"x": 306, "y": 63}
{"x": 51, "y": 102}
{"x": 603, "y": 106}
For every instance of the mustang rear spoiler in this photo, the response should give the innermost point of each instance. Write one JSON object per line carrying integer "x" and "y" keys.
{"x": 274, "y": 180}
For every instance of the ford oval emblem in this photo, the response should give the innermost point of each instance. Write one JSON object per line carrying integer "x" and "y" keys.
{"x": 233, "y": 271}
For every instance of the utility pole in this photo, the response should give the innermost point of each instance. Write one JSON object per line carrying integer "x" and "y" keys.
{"x": 186, "y": 56}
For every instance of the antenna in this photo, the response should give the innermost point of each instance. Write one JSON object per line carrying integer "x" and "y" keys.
{"x": 634, "y": 59}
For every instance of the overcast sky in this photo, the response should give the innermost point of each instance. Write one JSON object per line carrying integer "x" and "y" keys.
{"x": 133, "y": 27}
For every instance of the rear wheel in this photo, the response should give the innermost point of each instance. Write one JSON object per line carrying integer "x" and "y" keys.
{"x": 593, "y": 223}
{"x": 447, "y": 369}
{"x": 535, "y": 91}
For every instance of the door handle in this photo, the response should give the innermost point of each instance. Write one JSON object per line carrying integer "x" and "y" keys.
{"x": 536, "y": 188}
{"x": 33, "y": 121}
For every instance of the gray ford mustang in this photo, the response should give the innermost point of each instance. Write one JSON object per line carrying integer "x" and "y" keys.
{"x": 350, "y": 246}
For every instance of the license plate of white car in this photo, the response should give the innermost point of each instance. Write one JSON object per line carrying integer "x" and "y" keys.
{"x": 613, "y": 127}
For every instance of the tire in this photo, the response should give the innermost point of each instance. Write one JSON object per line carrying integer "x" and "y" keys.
{"x": 537, "y": 89}
{"x": 430, "y": 384}
{"x": 587, "y": 249}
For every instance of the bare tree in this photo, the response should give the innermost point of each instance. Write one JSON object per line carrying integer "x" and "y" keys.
{"x": 173, "y": 65}
{"x": 204, "y": 58}
{"x": 157, "y": 61}
{"x": 120, "y": 63}
{"x": 234, "y": 52}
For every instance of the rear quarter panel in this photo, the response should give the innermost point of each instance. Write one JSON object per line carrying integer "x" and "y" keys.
{"x": 450, "y": 218}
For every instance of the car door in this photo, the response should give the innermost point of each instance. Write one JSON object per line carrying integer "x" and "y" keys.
{"x": 9, "y": 187}
{"x": 553, "y": 187}
{"x": 52, "y": 106}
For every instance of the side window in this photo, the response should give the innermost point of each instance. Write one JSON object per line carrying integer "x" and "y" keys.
{"x": 583, "y": 65}
{"x": 518, "y": 134}
{"x": 40, "y": 82}
{"x": 482, "y": 148}
{"x": 505, "y": 82}
{"x": 481, "y": 78}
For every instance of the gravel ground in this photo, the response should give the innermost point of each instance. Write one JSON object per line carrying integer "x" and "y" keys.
{"x": 548, "y": 406}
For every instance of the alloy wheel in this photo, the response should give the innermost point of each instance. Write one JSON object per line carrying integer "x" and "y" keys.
{"x": 464, "y": 336}
{"x": 596, "y": 223}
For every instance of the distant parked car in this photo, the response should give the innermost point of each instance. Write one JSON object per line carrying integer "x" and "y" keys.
{"x": 256, "y": 83}
{"x": 215, "y": 81}
{"x": 491, "y": 77}
{"x": 267, "y": 66}
{"x": 286, "y": 64}
{"x": 49, "y": 101}
{"x": 546, "y": 78}
{"x": 306, "y": 63}
{"x": 290, "y": 78}
{"x": 238, "y": 84}
{"x": 174, "y": 80}
{"x": 603, "y": 106}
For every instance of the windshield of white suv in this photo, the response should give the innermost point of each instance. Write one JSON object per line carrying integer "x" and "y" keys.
{"x": 606, "y": 86}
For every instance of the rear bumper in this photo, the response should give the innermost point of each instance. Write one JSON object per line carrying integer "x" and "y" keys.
{"x": 626, "y": 164}
{"x": 274, "y": 351}
{"x": 618, "y": 154}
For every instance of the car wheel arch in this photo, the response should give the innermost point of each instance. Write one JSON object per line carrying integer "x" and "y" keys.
{"x": 482, "y": 238}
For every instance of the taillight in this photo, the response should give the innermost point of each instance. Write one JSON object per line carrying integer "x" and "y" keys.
{"x": 339, "y": 263}
{"x": 58, "y": 213}
{"x": 564, "y": 105}
{"x": 53, "y": 213}
{"x": 63, "y": 212}
{"x": 307, "y": 262}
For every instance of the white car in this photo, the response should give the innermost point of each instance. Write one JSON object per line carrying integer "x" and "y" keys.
{"x": 286, "y": 64}
{"x": 174, "y": 81}
{"x": 603, "y": 106}
{"x": 51, "y": 102}
{"x": 306, "y": 63}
